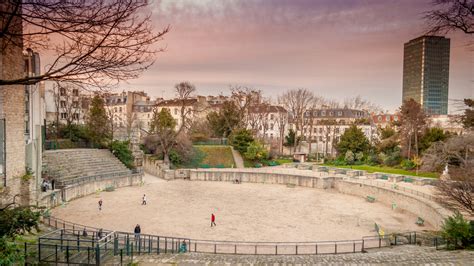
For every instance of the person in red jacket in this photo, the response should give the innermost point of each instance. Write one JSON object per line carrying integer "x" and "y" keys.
{"x": 213, "y": 220}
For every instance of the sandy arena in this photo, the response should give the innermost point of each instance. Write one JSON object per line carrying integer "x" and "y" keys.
{"x": 244, "y": 212}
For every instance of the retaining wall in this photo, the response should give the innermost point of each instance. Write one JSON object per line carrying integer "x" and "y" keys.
{"x": 430, "y": 211}
{"x": 82, "y": 189}
{"x": 267, "y": 177}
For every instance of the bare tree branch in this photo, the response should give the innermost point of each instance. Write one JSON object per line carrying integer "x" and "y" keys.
{"x": 95, "y": 42}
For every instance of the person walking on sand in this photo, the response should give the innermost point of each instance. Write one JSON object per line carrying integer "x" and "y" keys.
{"x": 100, "y": 204}
{"x": 213, "y": 220}
{"x": 144, "y": 199}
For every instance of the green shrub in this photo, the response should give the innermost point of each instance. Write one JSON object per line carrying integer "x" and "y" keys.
{"x": 122, "y": 152}
{"x": 241, "y": 139}
{"x": 349, "y": 157}
{"x": 10, "y": 253}
{"x": 359, "y": 156}
{"x": 408, "y": 164}
{"x": 256, "y": 151}
{"x": 110, "y": 188}
{"x": 458, "y": 231}
{"x": 175, "y": 158}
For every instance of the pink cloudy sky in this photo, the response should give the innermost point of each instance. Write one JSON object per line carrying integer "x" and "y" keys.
{"x": 336, "y": 48}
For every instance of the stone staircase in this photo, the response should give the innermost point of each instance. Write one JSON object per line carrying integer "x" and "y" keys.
{"x": 69, "y": 166}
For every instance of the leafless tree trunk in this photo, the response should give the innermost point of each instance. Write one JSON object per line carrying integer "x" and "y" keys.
{"x": 94, "y": 42}
{"x": 184, "y": 91}
{"x": 297, "y": 102}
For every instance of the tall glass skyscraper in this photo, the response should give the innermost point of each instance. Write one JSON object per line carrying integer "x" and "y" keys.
{"x": 426, "y": 72}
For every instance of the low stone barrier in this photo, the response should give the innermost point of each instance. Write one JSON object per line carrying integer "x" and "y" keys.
{"x": 82, "y": 189}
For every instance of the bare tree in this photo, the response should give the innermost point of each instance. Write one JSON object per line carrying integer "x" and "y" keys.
{"x": 455, "y": 153}
{"x": 359, "y": 103}
{"x": 451, "y": 15}
{"x": 94, "y": 42}
{"x": 297, "y": 102}
{"x": 184, "y": 91}
{"x": 244, "y": 98}
{"x": 413, "y": 120}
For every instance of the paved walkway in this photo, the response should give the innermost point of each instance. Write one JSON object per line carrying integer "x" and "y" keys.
{"x": 399, "y": 255}
{"x": 239, "y": 161}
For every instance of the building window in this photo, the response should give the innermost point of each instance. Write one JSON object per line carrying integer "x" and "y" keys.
{"x": 63, "y": 116}
{"x": 175, "y": 111}
{"x": 339, "y": 113}
{"x": 271, "y": 126}
{"x": 323, "y": 113}
{"x": 62, "y": 104}
{"x": 75, "y": 104}
{"x": 62, "y": 91}
{"x": 395, "y": 118}
{"x": 75, "y": 116}
{"x": 27, "y": 110}
{"x": 120, "y": 109}
{"x": 75, "y": 92}
{"x": 336, "y": 130}
{"x": 272, "y": 116}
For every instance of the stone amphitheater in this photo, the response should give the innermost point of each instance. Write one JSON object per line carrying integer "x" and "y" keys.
{"x": 275, "y": 208}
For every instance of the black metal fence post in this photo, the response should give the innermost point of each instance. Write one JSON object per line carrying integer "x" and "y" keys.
{"x": 67, "y": 254}
{"x": 316, "y": 249}
{"x": 158, "y": 246}
{"x": 56, "y": 252}
{"x": 26, "y": 253}
{"x": 335, "y": 248}
{"x": 121, "y": 257}
{"x": 39, "y": 249}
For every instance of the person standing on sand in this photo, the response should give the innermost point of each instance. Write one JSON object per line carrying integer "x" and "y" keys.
{"x": 144, "y": 200}
{"x": 213, "y": 220}
{"x": 100, "y": 204}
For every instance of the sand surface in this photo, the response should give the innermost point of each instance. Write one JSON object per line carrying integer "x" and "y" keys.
{"x": 244, "y": 212}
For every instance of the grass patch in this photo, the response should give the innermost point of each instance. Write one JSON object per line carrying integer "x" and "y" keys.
{"x": 386, "y": 169}
{"x": 282, "y": 161}
{"x": 216, "y": 155}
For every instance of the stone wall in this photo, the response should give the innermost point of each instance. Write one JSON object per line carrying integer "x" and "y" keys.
{"x": 79, "y": 190}
{"x": 153, "y": 166}
{"x": 12, "y": 109}
{"x": 424, "y": 208}
{"x": 262, "y": 176}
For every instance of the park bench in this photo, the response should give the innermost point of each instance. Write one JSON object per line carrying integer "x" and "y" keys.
{"x": 420, "y": 221}
{"x": 384, "y": 177}
{"x": 290, "y": 185}
{"x": 408, "y": 180}
{"x": 370, "y": 199}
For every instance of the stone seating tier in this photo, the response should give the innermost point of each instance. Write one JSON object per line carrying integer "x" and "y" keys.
{"x": 70, "y": 165}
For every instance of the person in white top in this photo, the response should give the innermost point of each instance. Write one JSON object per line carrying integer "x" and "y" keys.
{"x": 144, "y": 200}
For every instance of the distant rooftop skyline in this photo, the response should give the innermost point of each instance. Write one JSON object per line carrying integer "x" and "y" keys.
{"x": 336, "y": 48}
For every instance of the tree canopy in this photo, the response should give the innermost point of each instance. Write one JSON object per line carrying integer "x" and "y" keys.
{"x": 353, "y": 140}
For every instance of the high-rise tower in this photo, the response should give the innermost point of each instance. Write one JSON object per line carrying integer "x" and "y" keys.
{"x": 426, "y": 72}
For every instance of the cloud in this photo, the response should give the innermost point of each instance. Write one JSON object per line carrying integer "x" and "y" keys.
{"x": 336, "y": 48}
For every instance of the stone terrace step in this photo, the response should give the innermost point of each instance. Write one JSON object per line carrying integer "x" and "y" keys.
{"x": 71, "y": 164}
